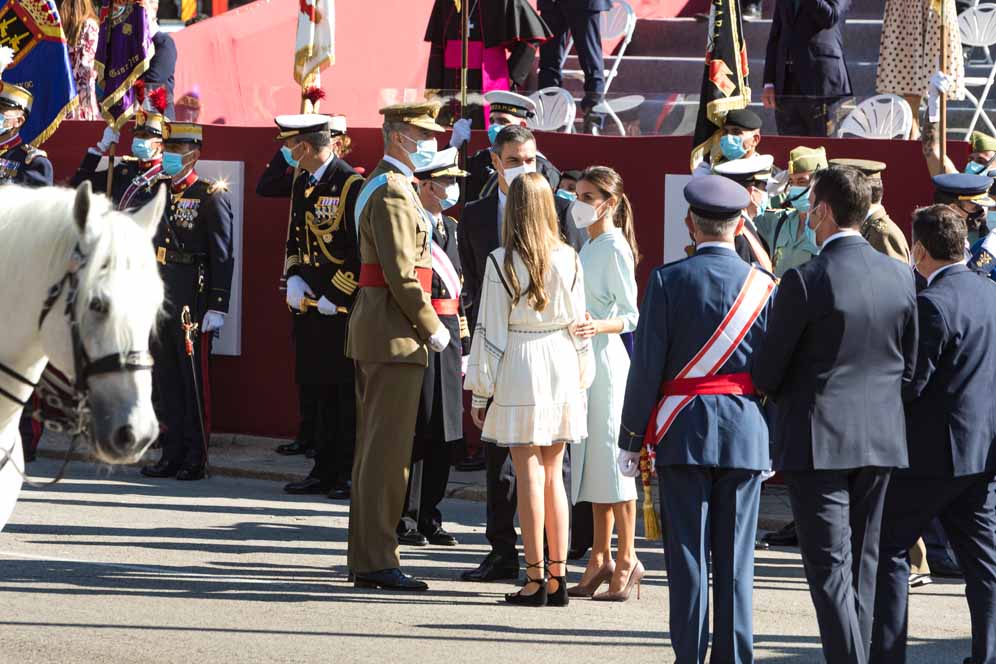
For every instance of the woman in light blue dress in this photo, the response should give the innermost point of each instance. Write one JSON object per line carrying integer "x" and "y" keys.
{"x": 608, "y": 260}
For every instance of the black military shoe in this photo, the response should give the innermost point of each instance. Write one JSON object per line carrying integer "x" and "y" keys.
{"x": 290, "y": 449}
{"x": 389, "y": 579}
{"x": 494, "y": 567}
{"x": 162, "y": 468}
{"x": 342, "y": 490}
{"x": 944, "y": 568}
{"x": 190, "y": 473}
{"x": 412, "y": 537}
{"x": 471, "y": 464}
{"x": 306, "y": 486}
{"x": 439, "y": 537}
{"x": 784, "y": 537}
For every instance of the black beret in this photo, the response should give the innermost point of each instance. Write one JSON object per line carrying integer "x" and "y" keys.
{"x": 741, "y": 117}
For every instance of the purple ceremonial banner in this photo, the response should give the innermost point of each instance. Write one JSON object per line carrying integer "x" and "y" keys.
{"x": 124, "y": 49}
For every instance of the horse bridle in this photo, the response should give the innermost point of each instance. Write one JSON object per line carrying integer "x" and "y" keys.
{"x": 72, "y": 415}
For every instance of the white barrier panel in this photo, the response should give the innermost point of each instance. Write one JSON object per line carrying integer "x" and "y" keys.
{"x": 675, "y": 208}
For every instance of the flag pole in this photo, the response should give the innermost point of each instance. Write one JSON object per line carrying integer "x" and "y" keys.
{"x": 943, "y": 126}
{"x": 110, "y": 168}
{"x": 464, "y": 41}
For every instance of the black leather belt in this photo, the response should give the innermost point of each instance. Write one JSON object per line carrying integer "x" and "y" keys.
{"x": 164, "y": 256}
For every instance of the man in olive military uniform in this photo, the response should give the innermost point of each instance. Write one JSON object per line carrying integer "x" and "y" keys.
{"x": 391, "y": 329}
{"x": 136, "y": 177}
{"x": 440, "y": 412}
{"x": 878, "y": 229}
{"x": 194, "y": 249}
{"x": 786, "y": 231}
{"x": 322, "y": 267}
{"x": 20, "y": 163}
{"x": 506, "y": 108}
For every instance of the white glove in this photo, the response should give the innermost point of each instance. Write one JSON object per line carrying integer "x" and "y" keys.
{"x": 464, "y": 363}
{"x": 296, "y": 290}
{"x": 110, "y": 136}
{"x": 629, "y": 463}
{"x": 461, "y": 132}
{"x": 939, "y": 83}
{"x": 213, "y": 321}
{"x": 440, "y": 339}
{"x": 326, "y": 308}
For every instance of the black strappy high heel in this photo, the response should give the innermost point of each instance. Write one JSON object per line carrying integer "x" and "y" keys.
{"x": 539, "y": 597}
{"x": 559, "y": 597}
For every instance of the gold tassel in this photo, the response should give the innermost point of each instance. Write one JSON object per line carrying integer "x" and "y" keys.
{"x": 651, "y": 522}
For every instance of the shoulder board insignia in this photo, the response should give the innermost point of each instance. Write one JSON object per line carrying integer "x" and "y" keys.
{"x": 214, "y": 186}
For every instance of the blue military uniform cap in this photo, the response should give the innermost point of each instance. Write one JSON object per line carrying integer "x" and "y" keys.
{"x": 716, "y": 197}
{"x": 966, "y": 187}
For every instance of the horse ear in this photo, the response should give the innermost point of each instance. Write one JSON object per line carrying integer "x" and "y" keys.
{"x": 81, "y": 206}
{"x": 149, "y": 215}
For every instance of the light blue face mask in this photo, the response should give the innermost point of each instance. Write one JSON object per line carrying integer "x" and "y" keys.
{"x": 451, "y": 197}
{"x": 493, "y": 132}
{"x": 142, "y": 149}
{"x": 425, "y": 152}
{"x": 732, "y": 146}
{"x": 764, "y": 203}
{"x": 567, "y": 195}
{"x": 286, "y": 152}
{"x": 799, "y": 198}
{"x": 975, "y": 168}
{"x": 172, "y": 163}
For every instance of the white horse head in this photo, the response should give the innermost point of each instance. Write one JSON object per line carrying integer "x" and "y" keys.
{"x": 78, "y": 236}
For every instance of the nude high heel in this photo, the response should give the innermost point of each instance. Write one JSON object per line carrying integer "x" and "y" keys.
{"x": 603, "y": 575}
{"x": 635, "y": 577}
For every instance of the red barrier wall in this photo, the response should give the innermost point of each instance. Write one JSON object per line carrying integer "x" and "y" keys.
{"x": 255, "y": 393}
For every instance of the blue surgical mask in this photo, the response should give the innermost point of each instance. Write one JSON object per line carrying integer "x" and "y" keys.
{"x": 799, "y": 198}
{"x": 732, "y": 146}
{"x": 425, "y": 152}
{"x": 975, "y": 168}
{"x": 493, "y": 132}
{"x": 286, "y": 152}
{"x": 172, "y": 163}
{"x": 567, "y": 195}
{"x": 764, "y": 203}
{"x": 452, "y": 196}
{"x": 142, "y": 149}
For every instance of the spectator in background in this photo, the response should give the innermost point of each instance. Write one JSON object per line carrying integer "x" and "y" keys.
{"x": 582, "y": 18}
{"x": 805, "y": 73}
{"x": 911, "y": 48}
{"x": 163, "y": 64}
{"x": 79, "y": 21}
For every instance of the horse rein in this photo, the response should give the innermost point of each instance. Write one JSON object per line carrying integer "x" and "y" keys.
{"x": 72, "y": 415}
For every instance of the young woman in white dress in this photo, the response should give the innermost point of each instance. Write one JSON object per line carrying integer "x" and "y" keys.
{"x": 609, "y": 260}
{"x": 525, "y": 360}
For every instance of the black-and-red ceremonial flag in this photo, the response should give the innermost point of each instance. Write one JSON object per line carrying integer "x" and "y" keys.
{"x": 724, "y": 80}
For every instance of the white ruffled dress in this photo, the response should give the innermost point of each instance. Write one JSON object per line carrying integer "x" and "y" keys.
{"x": 535, "y": 373}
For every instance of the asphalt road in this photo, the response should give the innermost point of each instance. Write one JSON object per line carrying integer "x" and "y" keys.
{"x": 109, "y": 567}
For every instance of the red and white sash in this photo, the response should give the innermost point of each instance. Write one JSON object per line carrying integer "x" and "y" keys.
{"x": 444, "y": 268}
{"x": 713, "y": 355}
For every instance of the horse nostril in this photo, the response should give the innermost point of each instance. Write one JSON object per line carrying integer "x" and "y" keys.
{"x": 125, "y": 437}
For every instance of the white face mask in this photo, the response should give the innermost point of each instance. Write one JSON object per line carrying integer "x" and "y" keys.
{"x": 583, "y": 214}
{"x": 510, "y": 174}
{"x": 452, "y": 196}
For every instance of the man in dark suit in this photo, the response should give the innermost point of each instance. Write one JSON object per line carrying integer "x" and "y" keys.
{"x": 805, "y": 75}
{"x": 478, "y": 234}
{"x": 163, "y": 64}
{"x": 582, "y": 18}
{"x": 950, "y": 431}
{"x": 834, "y": 360}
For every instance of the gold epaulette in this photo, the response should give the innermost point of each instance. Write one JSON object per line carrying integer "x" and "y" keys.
{"x": 345, "y": 281}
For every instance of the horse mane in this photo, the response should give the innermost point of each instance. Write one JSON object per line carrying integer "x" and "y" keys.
{"x": 114, "y": 245}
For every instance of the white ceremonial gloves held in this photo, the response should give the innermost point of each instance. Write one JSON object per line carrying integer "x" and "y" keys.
{"x": 464, "y": 363}
{"x": 440, "y": 339}
{"x": 110, "y": 136}
{"x": 213, "y": 321}
{"x": 296, "y": 290}
{"x": 461, "y": 132}
{"x": 326, "y": 308}
{"x": 939, "y": 83}
{"x": 629, "y": 463}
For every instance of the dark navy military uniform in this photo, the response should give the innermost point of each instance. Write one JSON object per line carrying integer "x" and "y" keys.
{"x": 440, "y": 412}
{"x": 25, "y": 165}
{"x": 321, "y": 249}
{"x": 194, "y": 248}
{"x": 135, "y": 183}
{"x": 710, "y": 459}
{"x": 950, "y": 430}
{"x": 582, "y": 19}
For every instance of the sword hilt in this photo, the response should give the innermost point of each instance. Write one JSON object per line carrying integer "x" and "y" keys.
{"x": 308, "y": 303}
{"x": 189, "y": 328}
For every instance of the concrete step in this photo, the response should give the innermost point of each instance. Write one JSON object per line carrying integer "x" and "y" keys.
{"x": 687, "y": 37}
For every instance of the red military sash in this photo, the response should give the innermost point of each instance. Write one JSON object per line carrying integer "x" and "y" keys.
{"x": 695, "y": 377}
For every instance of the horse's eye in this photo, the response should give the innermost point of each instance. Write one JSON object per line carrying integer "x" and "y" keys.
{"x": 99, "y": 306}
